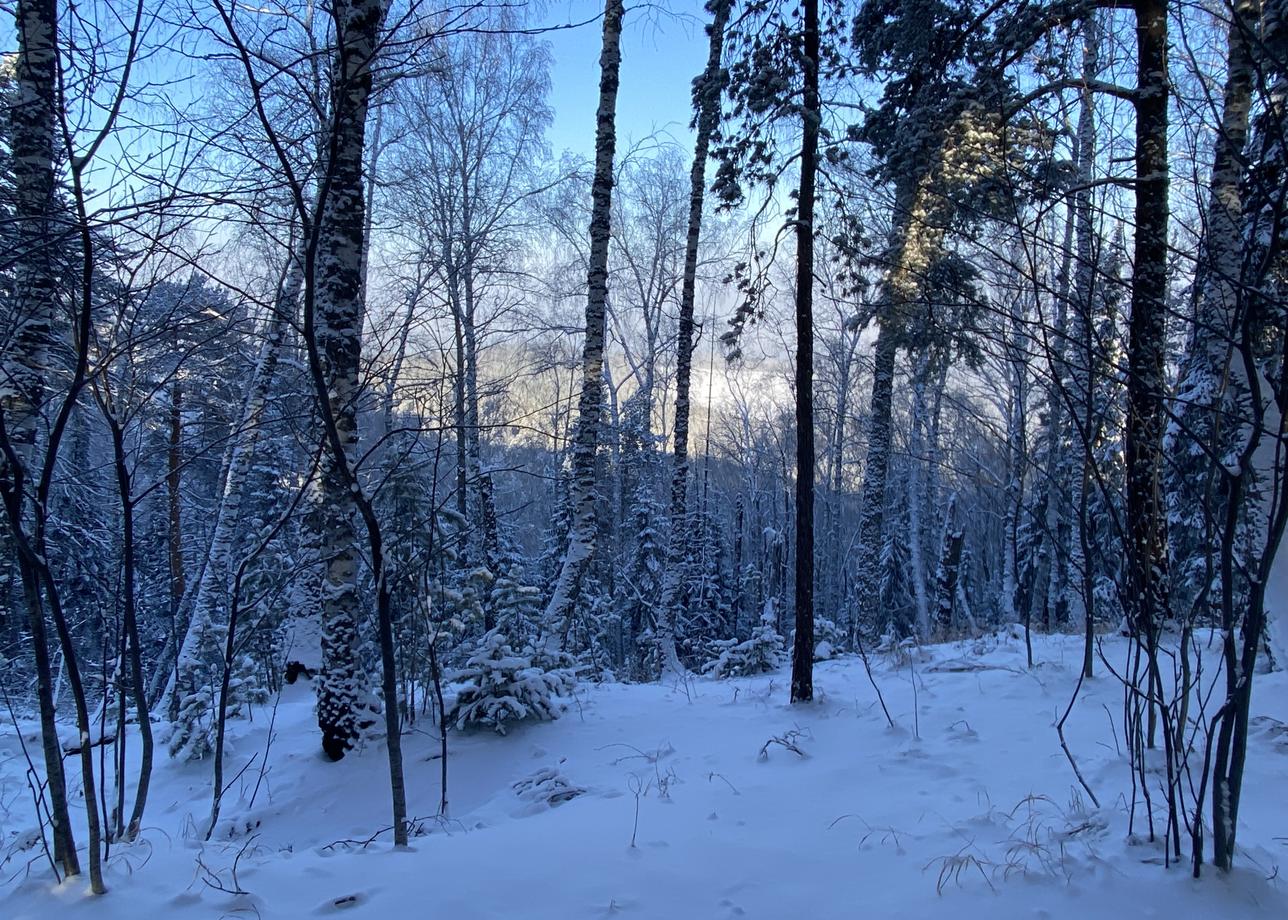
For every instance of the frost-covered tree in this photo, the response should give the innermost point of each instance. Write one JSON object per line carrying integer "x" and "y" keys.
{"x": 502, "y": 686}
{"x": 582, "y": 532}
{"x": 761, "y": 653}
{"x": 201, "y": 650}
{"x": 708, "y": 88}
{"x": 467, "y": 163}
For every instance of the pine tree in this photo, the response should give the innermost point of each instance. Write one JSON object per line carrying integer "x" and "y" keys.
{"x": 503, "y": 686}
{"x": 777, "y": 62}
{"x": 761, "y": 653}
{"x": 896, "y": 587}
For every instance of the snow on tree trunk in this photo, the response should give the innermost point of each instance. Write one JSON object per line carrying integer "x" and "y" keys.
{"x": 33, "y": 120}
{"x": 343, "y": 708}
{"x": 706, "y": 99}
{"x": 582, "y": 532}
{"x": 1204, "y": 399}
{"x": 1222, "y": 383}
{"x": 333, "y": 323}
{"x": 189, "y": 695}
{"x": 867, "y": 575}
{"x": 916, "y": 496}
{"x": 947, "y": 575}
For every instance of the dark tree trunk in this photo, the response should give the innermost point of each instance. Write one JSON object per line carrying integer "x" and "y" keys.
{"x": 1147, "y": 339}
{"x": 174, "y": 507}
{"x": 1083, "y": 376}
{"x": 803, "y": 648}
{"x": 131, "y": 626}
{"x": 1146, "y": 522}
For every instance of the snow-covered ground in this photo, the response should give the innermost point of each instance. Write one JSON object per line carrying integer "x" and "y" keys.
{"x": 669, "y": 804}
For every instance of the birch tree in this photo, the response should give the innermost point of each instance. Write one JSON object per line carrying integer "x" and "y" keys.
{"x": 583, "y": 528}
{"x": 1234, "y": 388}
{"x": 707, "y": 90}
{"x": 33, "y": 119}
{"x": 189, "y": 695}
{"x": 467, "y": 168}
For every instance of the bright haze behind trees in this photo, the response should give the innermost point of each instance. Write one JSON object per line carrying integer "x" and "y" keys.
{"x": 898, "y": 385}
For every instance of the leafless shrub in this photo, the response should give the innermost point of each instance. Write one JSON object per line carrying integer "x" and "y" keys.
{"x": 788, "y": 740}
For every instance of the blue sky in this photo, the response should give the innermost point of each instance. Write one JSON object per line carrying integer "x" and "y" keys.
{"x": 663, "y": 48}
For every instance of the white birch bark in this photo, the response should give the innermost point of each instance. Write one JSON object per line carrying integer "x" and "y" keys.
{"x": 24, "y": 349}
{"x": 344, "y": 706}
{"x": 916, "y": 496}
{"x": 583, "y": 531}
{"x": 199, "y": 651}
{"x": 706, "y": 97}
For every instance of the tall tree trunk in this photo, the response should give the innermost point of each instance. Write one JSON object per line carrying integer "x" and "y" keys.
{"x": 833, "y": 583}
{"x": 134, "y": 651}
{"x": 1146, "y": 522}
{"x": 334, "y": 312}
{"x": 459, "y": 395}
{"x": 811, "y": 117}
{"x": 1015, "y": 408}
{"x": 706, "y": 99}
{"x": 33, "y": 119}
{"x": 197, "y": 654}
{"x": 338, "y": 324}
{"x": 1059, "y": 514}
{"x": 916, "y": 496}
{"x": 1083, "y": 376}
{"x": 1218, "y": 314}
{"x": 174, "y": 503}
{"x": 1147, "y": 339}
{"x": 583, "y": 531}
{"x": 474, "y": 458}
{"x": 867, "y": 576}
{"x": 1147, "y": 342}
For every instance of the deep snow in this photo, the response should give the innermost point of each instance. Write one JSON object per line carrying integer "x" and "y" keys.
{"x": 970, "y": 810}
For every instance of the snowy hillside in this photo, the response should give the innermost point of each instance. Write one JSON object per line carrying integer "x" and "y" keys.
{"x": 705, "y": 800}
